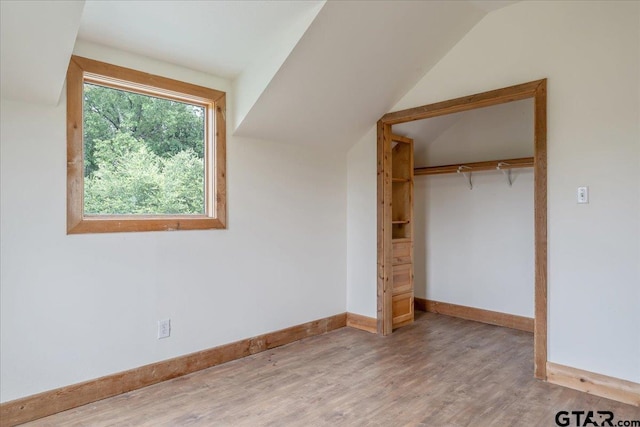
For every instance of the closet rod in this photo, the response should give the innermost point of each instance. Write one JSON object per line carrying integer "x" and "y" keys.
{"x": 524, "y": 162}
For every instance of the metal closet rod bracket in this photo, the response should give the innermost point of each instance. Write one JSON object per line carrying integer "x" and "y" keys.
{"x": 467, "y": 175}
{"x": 506, "y": 172}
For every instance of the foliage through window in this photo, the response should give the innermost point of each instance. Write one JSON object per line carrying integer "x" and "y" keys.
{"x": 145, "y": 152}
{"x": 142, "y": 154}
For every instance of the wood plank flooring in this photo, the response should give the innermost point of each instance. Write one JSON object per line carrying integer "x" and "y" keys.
{"x": 440, "y": 371}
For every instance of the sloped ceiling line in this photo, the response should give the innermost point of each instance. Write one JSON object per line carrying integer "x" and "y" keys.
{"x": 310, "y": 73}
{"x": 36, "y": 41}
{"x": 356, "y": 60}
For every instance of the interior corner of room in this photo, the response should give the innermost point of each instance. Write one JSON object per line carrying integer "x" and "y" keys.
{"x": 478, "y": 162}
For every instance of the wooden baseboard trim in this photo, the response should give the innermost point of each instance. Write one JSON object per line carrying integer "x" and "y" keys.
{"x": 589, "y": 382}
{"x": 51, "y": 402}
{"x": 364, "y": 323}
{"x": 477, "y": 314}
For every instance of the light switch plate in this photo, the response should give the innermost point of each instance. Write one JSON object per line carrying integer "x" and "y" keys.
{"x": 583, "y": 195}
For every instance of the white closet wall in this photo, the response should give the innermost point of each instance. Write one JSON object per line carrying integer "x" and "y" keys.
{"x": 475, "y": 247}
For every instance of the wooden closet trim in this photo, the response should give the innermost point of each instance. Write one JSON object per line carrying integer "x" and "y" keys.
{"x": 537, "y": 90}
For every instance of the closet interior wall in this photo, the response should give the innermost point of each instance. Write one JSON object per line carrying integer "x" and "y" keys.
{"x": 474, "y": 246}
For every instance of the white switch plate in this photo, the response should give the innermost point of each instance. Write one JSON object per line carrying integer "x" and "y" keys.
{"x": 583, "y": 194}
{"x": 164, "y": 328}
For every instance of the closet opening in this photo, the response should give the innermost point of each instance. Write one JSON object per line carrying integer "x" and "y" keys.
{"x": 510, "y": 151}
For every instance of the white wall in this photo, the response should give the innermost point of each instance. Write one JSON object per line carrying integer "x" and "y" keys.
{"x": 590, "y": 53}
{"x": 475, "y": 247}
{"x": 361, "y": 232}
{"x": 79, "y": 307}
{"x": 498, "y": 132}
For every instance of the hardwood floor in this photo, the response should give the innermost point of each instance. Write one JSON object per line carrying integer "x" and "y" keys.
{"x": 440, "y": 371}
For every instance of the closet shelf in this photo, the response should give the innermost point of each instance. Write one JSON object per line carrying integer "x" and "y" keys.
{"x": 400, "y": 179}
{"x": 523, "y": 162}
{"x": 400, "y": 138}
{"x": 404, "y": 221}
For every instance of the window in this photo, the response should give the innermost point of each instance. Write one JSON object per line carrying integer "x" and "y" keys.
{"x": 144, "y": 153}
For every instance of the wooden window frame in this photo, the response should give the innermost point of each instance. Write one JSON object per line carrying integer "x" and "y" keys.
{"x": 83, "y": 70}
{"x": 536, "y": 90}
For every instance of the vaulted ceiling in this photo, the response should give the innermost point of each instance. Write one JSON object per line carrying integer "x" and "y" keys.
{"x": 217, "y": 37}
{"x": 304, "y": 72}
{"x": 36, "y": 41}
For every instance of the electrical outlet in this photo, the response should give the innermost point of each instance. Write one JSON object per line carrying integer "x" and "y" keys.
{"x": 583, "y": 195}
{"x": 164, "y": 328}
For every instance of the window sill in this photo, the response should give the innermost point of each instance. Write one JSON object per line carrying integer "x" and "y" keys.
{"x": 130, "y": 223}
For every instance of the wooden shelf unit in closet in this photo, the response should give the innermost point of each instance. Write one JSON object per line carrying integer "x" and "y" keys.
{"x": 402, "y": 230}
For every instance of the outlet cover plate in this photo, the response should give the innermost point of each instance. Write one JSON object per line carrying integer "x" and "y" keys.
{"x": 164, "y": 328}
